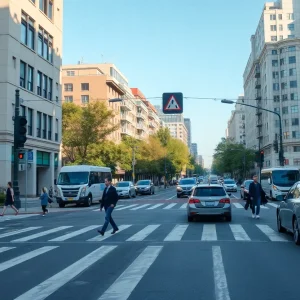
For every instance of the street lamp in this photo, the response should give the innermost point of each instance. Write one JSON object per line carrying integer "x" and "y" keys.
{"x": 281, "y": 153}
{"x": 115, "y": 100}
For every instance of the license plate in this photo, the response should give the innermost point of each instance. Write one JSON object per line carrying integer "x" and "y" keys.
{"x": 70, "y": 199}
{"x": 209, "y": 203}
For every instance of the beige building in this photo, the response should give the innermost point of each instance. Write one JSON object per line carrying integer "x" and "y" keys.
{"x": 30, "y": 60}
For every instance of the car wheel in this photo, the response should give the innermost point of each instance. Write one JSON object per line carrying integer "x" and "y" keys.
{"x": 134, "y": 195}
{"x": 279, "y": 226}
{"x": 296, "y": 232}
{"x": 62, "y": 205}
{"x": 228, "y": 218}
{"x": 89, "y": 201}
{"x": 129, "y": 195}
{"x": 153, "y": 192}
{"x": 178, "y": 196}
{"x": 190, "y": 219}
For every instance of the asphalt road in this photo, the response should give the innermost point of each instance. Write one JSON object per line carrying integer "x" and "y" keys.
{"x": 157, "y": 255}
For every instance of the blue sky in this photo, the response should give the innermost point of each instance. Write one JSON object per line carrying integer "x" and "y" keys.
{"x": 196, "y": 47}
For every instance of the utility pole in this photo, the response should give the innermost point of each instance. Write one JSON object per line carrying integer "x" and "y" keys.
{"x": 165, "y": 171}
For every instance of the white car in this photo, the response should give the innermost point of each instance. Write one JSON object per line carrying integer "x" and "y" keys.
{"x": 125, "y": 189}
{"x": 230, "y": 185}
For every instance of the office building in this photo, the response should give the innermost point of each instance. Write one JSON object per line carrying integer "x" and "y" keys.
{"x": 188, "y": 125}
{"x": 201, "y": 161}
{"x": 30, "y": 60}
{"x": 271, "y": 81}
{"x": 194, "y": 151}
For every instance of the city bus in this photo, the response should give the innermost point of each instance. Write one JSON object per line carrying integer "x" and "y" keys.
{"x": 277, "y": 181}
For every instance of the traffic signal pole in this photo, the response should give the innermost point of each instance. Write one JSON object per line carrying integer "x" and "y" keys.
{"x": 17, "y": 202}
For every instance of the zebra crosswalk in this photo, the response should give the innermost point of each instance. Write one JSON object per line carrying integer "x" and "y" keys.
{"x": 151, "y": 232}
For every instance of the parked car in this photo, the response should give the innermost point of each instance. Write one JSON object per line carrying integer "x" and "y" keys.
{"x": 209, "y": 199}
{"x": 185, "y": 187}
{"x": 230, "y": 185}
{"x": 125, "y": 189}
{"x": 288, "y": 212}
{"x": 145, "y": 187}
{"x": 245, "y": 189}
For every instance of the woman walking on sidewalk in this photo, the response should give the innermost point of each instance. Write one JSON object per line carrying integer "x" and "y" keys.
{"x": 44, "y": 200}
{"x": 9, "y": 200}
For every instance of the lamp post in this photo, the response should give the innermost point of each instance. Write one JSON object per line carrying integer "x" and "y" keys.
{"x": 281, "y": 152}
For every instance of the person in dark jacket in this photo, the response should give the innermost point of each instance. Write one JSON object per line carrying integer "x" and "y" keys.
{"x": 44, "y": 200}
{"x": 9, "y": 199}
{"x": 109, "y": 201}
{"x": 256, "y": 195}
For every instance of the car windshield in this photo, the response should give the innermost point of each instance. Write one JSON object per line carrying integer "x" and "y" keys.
{"x": 143, "y": 182}
{"x": 187, "y": 181}
{"x": 73, "y": 178}
{"x": 285, "y": 178}
{"x": 122, "y": 184}
{"x": 229, "y": 182}
{"x": 209, "y": 192}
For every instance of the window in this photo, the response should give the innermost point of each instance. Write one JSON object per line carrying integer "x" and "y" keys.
{"x": 68, "y": 98}
{"x": 282, "y": 61}
{"x": 285, "y": 110}
{"x": 56, "y": 130}
{"x": 68, "y": 87}
{"x": 27, "y": 31}
{"x": 29, "y": 121}
{"x": 292, "y": 59}
{"x": 22, "y": 74}
{"x": 70, "y": 73}
{"x": 284, "y": 97}
{"x": 45, "y": 86}
{"x": 273, "y": 28}
{"x": 280, "y": 27}
{"x": 293, "y": 72}
{"x": 292, "y": 48}
{"x": 275, "y": 75}
{"x": 44, "y": 126}
{"x": 290, "y": 16}
{"x": 277, "y": 109}
{"x": 50, "y": 89}
{"x": 274, "y": 52}
{"x": 274, "y": 38}
{"x": 294, "y": 96}
{"x": 45, "y": 45}
{"x": 275, "y": 86}
{"x": 85, "y": 86}
{"x": 30, "y": 78}
{"x": 283, "y": 85}
{"x": 85, "y": 98}
{"x": 49, "y": 128}
{"x": 283, "y": 73}
{"x": 280, "y": 17}
{"x": 296, "y": 148}
{"x": 281, "y": 37}
{"x": 272, "y": 17}
{"x": 46, "y": 6}
{"x": 296, "y": 161}
{"x": 295, "y": 122}
{"x": 39, "y": 83}
{"x": 295, "y": 134}
{"x": 286, "y": 135}
{"x": 276, "y": 98}
{"x": 293, "y": 84}
{"x": 285, "y": 122}
{"x": 291, "y": 27}
{"x": 274, "y": 63}
{"x": 294, "y": 109}
{"x": 38, "y": 124}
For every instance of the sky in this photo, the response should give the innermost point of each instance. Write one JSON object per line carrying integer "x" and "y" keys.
{"x": 196, "y": 47}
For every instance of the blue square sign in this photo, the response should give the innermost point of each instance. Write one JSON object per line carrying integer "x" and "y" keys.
{"x": 172, "y": 103}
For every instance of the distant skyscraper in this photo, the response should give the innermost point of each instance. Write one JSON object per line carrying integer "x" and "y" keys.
{"x": 188, "y": 125}
{"x": 194, "y": 151}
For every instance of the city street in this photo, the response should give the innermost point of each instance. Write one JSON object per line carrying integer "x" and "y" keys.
{"x": 156, "y": 254}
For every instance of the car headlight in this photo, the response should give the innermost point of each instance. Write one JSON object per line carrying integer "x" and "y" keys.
{"x": 83, "y": 191}
{"x": 179, "y": 189}
{"x": 57, "y": 192}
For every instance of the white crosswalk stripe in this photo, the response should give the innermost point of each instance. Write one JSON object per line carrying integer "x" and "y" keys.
{"x": 100, "y": 238}
{"x": 4, "y": 249}
{"x": 129, "y": 279}
{"x": 156, "y": 206}
{"x": 239, "y": 233}
{"x": 18, "y": 217}
{"x": 43, "y": 233}
{"x": 141, "y": 235}
{"x": 49, "y": 286}
{"x": 176, "y": 234}
{"x": 273, "y": 204}
{"x": 139, "y": 207}
{"x": 3, "y": 235}
{"x": 264, "y": 207}
{"x": 271, "y": 234}
{"x": 118, "y": 206}
{"x": 22, "y": 258}
{"x": 170, "y": 206}
{"x": 183, "y": 206}
{"x": 238, "y": 205}
{"x": 209, "y": 232}
{"x": 126, "y": 207}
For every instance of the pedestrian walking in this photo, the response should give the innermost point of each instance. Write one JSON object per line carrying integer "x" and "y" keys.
{"x": 10, "y": 199}
{"x": 109, "y": 201}
{"x": 257, "y": 197}
{"x": 44, "y": 200}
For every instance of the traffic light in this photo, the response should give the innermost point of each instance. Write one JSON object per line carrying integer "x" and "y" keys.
{"x": 21, "y": 131}
{"x": 21, "y": 155}
{"x": 262, "y": 156}
{"x": 275, "y": 146}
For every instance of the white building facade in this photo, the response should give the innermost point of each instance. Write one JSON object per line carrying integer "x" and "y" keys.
{"x": 30, "y": 60}
{"x": 271, "y": 81}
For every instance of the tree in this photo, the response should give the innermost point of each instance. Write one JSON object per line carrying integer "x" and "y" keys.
{"x": 83, "y": 127}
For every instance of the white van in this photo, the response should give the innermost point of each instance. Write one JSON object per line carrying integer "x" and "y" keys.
{"x": 80, "y": 184}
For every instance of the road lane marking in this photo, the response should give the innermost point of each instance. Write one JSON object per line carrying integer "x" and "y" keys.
{"x": 209, "y": 232}
{"x": 73, "y": 234}
{"x": 139, "y": 207}
{"x": 18, "y": 231}
{"x": 170, "y": 206}
{"x": 221, "y": 288}
{"x": 238, "y": 205}
{"x": 98, "y": 209}
{"x": 273, "y": 204}
{"x": 177, "y": 233}
{"x": 156, "y": 205}
{"x": 142, "y": 234}
{"x": 100, "y": 238}
{"x": 52, "y": 284}
{"x": 9, "y": 218}
{"x": 3, "y": 249}
{"x": 264, "y": 207}
{"x": 234, "y": 196}
{"x": 43, "y": 233}
{"x": 183, "y": 206}
{"x": 129, "y": 279}
{"x": 239, "y": 233}
{"x": 172, "y": 197}
{"x": 271, "y": 234}
{"x": 126, "y": 207}
{"x": 22, "y": 258}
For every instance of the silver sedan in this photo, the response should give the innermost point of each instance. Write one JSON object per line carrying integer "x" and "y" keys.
{"x": 209, "y": 199}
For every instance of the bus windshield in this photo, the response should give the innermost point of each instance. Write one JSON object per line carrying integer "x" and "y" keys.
{"x": 73, "y": 178}
{"x": 285, "y": 178}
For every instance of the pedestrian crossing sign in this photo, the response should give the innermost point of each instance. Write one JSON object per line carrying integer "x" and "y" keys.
{"x": 172, "y": 103}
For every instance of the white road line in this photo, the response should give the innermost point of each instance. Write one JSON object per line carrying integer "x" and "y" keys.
{"x": 176, "y": 234}
{"x": 122, "y": 208}
{"x": 43, "y": 233}
{"x": 183, "y": 206}
{"x": 3, "y": 249}
{"x": 52, "y": 284}
{"x": 234, "y": 196}
{"x": 142, "y": 234}
{"x": 98, "y": 209}
{"x": 18, "y": 231}
{"x": 209, "y": 232}
{"x": 170, "y": 206}
{"x": 107, "y": 235}
{"x": 139, "y": 207}
{"x": 273, "y": 204}
{"x": 271, "y": 234}
{"x": 129, "y": 279}
{"x": 22, "y": 258}
{"x": 238, "y": 205}
{"x": 264, "y": 207}
{"x": 8, "y": 218}
{"x": 239, "y": 233}
{"x": 221, "y": 288}
{"x": 155, "y": 206}
{"x": 74, "y": 233}
{"x": 172, "y": 197}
